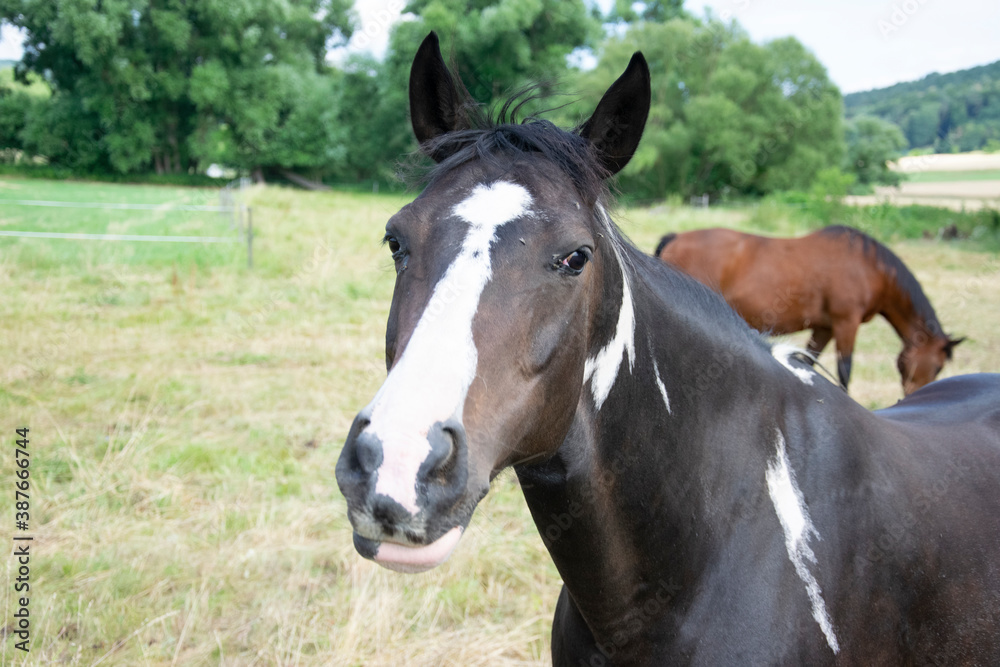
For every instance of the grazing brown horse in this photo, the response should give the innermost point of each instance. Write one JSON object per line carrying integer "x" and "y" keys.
{"x": 830, "y": 281}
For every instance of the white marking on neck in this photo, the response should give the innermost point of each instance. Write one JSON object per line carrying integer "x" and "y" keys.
{"x": 663, "y": 389}
{"x": 430, "y": 381}
{"x": 602, "y": 368}
{"x": 790, "y": 507}
{"x": 783, "y": 353}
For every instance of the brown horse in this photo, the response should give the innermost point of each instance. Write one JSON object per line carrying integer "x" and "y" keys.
{"x": 830, "y": 281}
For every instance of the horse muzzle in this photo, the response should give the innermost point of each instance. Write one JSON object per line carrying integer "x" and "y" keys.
{"x": 406, "y": 492}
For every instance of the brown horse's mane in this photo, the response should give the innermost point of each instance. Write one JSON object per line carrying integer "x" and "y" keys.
{"x": 894, "y": 269}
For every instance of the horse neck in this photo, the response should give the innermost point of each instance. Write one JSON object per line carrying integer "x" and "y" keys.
{"x": 903, "y": 316}
{"x": 644, "y": 452}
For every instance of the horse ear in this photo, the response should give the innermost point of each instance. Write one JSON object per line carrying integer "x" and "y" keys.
{"x": 436, "y": 103}
{"x": 950, "y": 345}
{"x": 617, "y": 123}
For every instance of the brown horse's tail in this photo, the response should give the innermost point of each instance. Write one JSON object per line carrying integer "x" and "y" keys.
{"x": 663, "y": 243}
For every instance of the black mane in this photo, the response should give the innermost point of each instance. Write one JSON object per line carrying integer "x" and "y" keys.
{"x": 501, "y": 138}
{"x": 894, "y": 268}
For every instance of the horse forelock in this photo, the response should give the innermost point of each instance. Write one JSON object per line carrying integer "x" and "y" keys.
{"x": 500, "y": 138}
{"x": 893, "y": 268}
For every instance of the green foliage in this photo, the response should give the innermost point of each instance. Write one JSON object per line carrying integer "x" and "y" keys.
{"x": 20, "y": 101}
{"x": 29, "y": 83}
{"x": 140, "y": 85}
{"x": 823, "y": 205}
{"x": 827, "y": 193}
{"x": 871, "y": 144}
{"x": 67, "y": 134}
{"x": 957, "y": 111}
{"x": 496, "y": 44}
{"x": 728, "y": 117}
{"x": 375, "y": 108}
{"x": 12, "y": 118}
{"x": 292, "y": 122}
{"x": 658, "y": 11}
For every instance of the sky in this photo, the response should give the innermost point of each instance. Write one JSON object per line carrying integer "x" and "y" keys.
{"x": 867, "y": 44}
{"x": 864, "y": 44}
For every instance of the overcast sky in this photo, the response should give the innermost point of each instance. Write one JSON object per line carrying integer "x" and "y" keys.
{"x": 864, "y": 44}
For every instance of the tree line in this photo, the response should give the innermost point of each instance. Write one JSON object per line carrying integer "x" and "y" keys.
{"x": 959, "y": 111}
{"x": 171, "y": 86}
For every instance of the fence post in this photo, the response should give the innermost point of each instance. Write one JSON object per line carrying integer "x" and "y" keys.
{"x": 249, "y": 238}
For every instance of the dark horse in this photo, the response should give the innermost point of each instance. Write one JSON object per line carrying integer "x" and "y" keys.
{"x": 830, "y": 281}
{"x": 707, "y": 499}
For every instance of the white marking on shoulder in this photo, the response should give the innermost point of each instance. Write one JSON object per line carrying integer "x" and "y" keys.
{"x": 790, "y": 507}
{"x": 663, "y": 389}
{"x": 783, "y": 353}
{"x": 430, "y": 381}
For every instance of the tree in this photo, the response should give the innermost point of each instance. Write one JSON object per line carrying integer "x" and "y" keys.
{"x": 126, "y": 75}
{"x": 659, "y": 11}
{"x": 727, "y": 115}
{"x": 376, "y": 114}
{"x": 871, "y": 144}
{"x": 496, "y": 46}
{"x": 18, "y": 103}
{"x": 960, "y": 109}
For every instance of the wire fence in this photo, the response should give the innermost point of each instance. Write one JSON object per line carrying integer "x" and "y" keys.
{"x": 230, "y": 203}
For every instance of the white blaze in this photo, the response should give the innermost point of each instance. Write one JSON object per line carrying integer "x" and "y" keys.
{"x": 790, "y": 507}
{"x": 430, "y": 381}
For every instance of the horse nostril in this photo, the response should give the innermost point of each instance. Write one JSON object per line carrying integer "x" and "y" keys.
{"x": 447, "y": 440}
{"x": 368, "y": 452}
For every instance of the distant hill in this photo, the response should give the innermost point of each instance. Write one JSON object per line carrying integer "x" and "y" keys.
{"x": 944, "y": 112}
{"x": 7, "y": 63}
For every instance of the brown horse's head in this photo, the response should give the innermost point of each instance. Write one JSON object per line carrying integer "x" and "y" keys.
{"x": 501, "y": 265}
{"x": 920, "y": 361}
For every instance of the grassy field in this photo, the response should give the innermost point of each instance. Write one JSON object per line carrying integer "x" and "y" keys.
{"x": 949, "y": 176}
{"x": 186, "y": 415}
{"x": 960, "y": 181}
{"x": 86, "y": 255}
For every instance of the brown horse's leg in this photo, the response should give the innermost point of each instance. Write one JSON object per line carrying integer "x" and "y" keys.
{"x": 817, "y": 342}
{"x": 844, "y": 332}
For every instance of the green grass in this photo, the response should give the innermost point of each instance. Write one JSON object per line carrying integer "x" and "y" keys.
{"x": 47, "y": 255}
{"x": 35, "y": 87}
{"x": 186, "y": 416}
{"x": 950, "y": 176}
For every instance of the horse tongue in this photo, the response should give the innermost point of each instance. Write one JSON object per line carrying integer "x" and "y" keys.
{"x": 417, "y": 559}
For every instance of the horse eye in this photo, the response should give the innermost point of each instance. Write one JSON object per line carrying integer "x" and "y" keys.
{"x": 575, "y": 261}
{"x": 393, "y": 244}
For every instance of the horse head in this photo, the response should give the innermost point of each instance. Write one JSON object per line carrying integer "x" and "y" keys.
{"x": 922, "y": 359}
{"x": 503, "y": 270}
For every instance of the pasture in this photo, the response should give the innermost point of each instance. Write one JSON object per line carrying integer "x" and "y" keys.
{"x": 186, "y": 415}
{"x": 961, "y": 182}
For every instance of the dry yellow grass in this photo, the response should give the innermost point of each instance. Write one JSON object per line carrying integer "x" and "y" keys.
{"x": 185, "y": 424}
